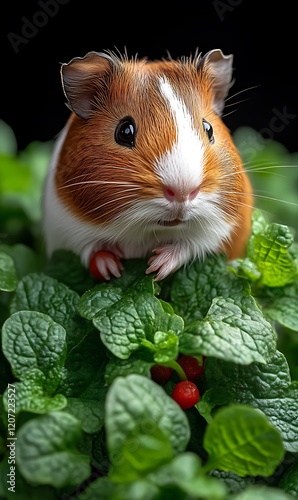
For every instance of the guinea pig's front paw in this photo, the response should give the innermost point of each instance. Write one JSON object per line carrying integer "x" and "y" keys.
{"x": 166, "y": 260}
{"x": 104, "y": 264}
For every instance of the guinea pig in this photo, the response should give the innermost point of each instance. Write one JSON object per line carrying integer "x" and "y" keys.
{"x": 145, "y": 166}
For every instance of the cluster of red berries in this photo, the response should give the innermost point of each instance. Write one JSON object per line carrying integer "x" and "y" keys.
{"x": 186, "y": 392}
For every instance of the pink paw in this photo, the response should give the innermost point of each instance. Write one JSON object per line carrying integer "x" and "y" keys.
{"x": 164, "y": 262}
{"x": 103, "y": 265}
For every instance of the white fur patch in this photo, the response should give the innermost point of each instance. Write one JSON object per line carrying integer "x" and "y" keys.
{"x": 182, "y": 167}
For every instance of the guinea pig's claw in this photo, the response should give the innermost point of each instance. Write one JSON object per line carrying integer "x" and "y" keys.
{"x": 104, "y": 264}
{"x": 164, "y": 262}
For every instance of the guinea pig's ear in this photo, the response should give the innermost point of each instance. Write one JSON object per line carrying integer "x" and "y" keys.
{"x": 220, "y": 67}
{"x": 80, "y": 78}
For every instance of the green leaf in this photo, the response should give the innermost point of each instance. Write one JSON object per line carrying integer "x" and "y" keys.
{"x": 22, "y": 490}
{"x": 289, "y": 481}
{"x": 266, "y": 387}
{"x": 242, "y": 440}
{"x": 246, "y": 269}
{"x": 167, "y": 345}
{"x": 25, "y": 259}
{"x": 8, "y": 275}
{"x": 133, "y": 276}
{"x": 33, "y": 340}
{"x": 126, "y": 325}
{"x": 284, "y": 310}
{"x": 136, "y": 406}
{"x": 98, "y": 299}
{"x": 46, "y": 451}
{"x": 90, "y": 412}
{"x": 142, "y": 452}
{"x": 234, "y": 330}
{"x": 258, "y": 222}
{"x": 104, "y": 488}
{"x": 121, "y": 367}
{"x": 271, "y": 251}
{"x": 8, "y": 142}
{"x": 263, "y": 492}
{"x": 195, "y": 286}
{"x": 185, "y": 471}
{"x": 66, "y": 267}
{"x": 32, "y": 395}
{"x": 232, "y": 481}
{"x": 38, "y": 292}
{"x": 83, "y": 372}
{"x": 15, "y": 178}
{"x": 104, "y": 295}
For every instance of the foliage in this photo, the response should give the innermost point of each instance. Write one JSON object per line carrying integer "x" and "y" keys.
{"x": 77, "y": 394}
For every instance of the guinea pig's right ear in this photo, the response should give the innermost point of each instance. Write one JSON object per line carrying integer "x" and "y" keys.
{"x": 220, "y": 68}
{"x": 80, "y": 78}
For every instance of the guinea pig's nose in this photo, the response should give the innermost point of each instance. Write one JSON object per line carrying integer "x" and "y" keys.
{"x": 180, "y": 195}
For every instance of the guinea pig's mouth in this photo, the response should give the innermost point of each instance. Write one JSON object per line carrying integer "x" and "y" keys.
{"x": 170, "y": 223}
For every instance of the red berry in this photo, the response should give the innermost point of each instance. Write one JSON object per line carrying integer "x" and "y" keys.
{"x": 191, "y": 366}
{"x": 160, "y": 373}
{"x": 186, "y": 394}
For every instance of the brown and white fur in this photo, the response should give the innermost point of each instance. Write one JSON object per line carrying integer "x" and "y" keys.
{"x": 145, "y": 166}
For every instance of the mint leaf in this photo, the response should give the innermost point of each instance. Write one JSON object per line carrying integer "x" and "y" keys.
{"x": 194, "y": 287}
{"x": 167, "y": 346}
{"x": 104, "y": 488}
{"x": 132, "y": 322}
{"x": 289, "y": 481}
{"x": 84, "y": 368}
{"x": 121, "y": 367}
{"x": 22, "y": 490}
{"x": 33, "y": 396}
{"x": 46, "y": 451}
{"x": 33, "y": 340}
{"x": 242, "y": 440}
{"x": 263, "y": 492}
{"x": 141, "y": 453}
{"x": 90, "y": 412}
{"x": 98, "y": 299}
{"x": 185, "y": 471}
{"x": 103, "y": 295}
{"x": 133, "y": 276}
{"x": 271, "y": 251}
{"x": 38, "y": 292}
{"x": 25, "y": 259}
{"x": 136, "y": 406}
{"x": 284, "y": 310}
{"x": 66, "y": 267}
{"x": 266, "y": 387}
{"x": 234, "y": 329}
{"x": 8, "y": 275}
{"x": 258, "y": 222}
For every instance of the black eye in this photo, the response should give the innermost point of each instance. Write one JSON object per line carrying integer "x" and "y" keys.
{"x": 125, "y": 133}
{"x": 209, "y": 131}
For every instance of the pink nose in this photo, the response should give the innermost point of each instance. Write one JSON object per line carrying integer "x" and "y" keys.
{"x": 179, "y": 195}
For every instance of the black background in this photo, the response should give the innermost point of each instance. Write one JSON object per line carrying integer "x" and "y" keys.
{"x": 262, "y": 37}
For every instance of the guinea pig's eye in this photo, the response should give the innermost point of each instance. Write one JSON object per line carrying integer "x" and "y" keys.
{"x": 125, "y": 133}
{"x": 209, "y": 131}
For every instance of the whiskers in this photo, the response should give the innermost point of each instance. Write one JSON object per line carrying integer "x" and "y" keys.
{"x": 237, "y": 102}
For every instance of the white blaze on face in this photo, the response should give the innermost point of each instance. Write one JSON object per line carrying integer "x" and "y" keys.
{"x": 182, "y": 166}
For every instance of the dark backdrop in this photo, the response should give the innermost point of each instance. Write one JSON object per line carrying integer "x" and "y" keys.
{"x": 39, "y": 35}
